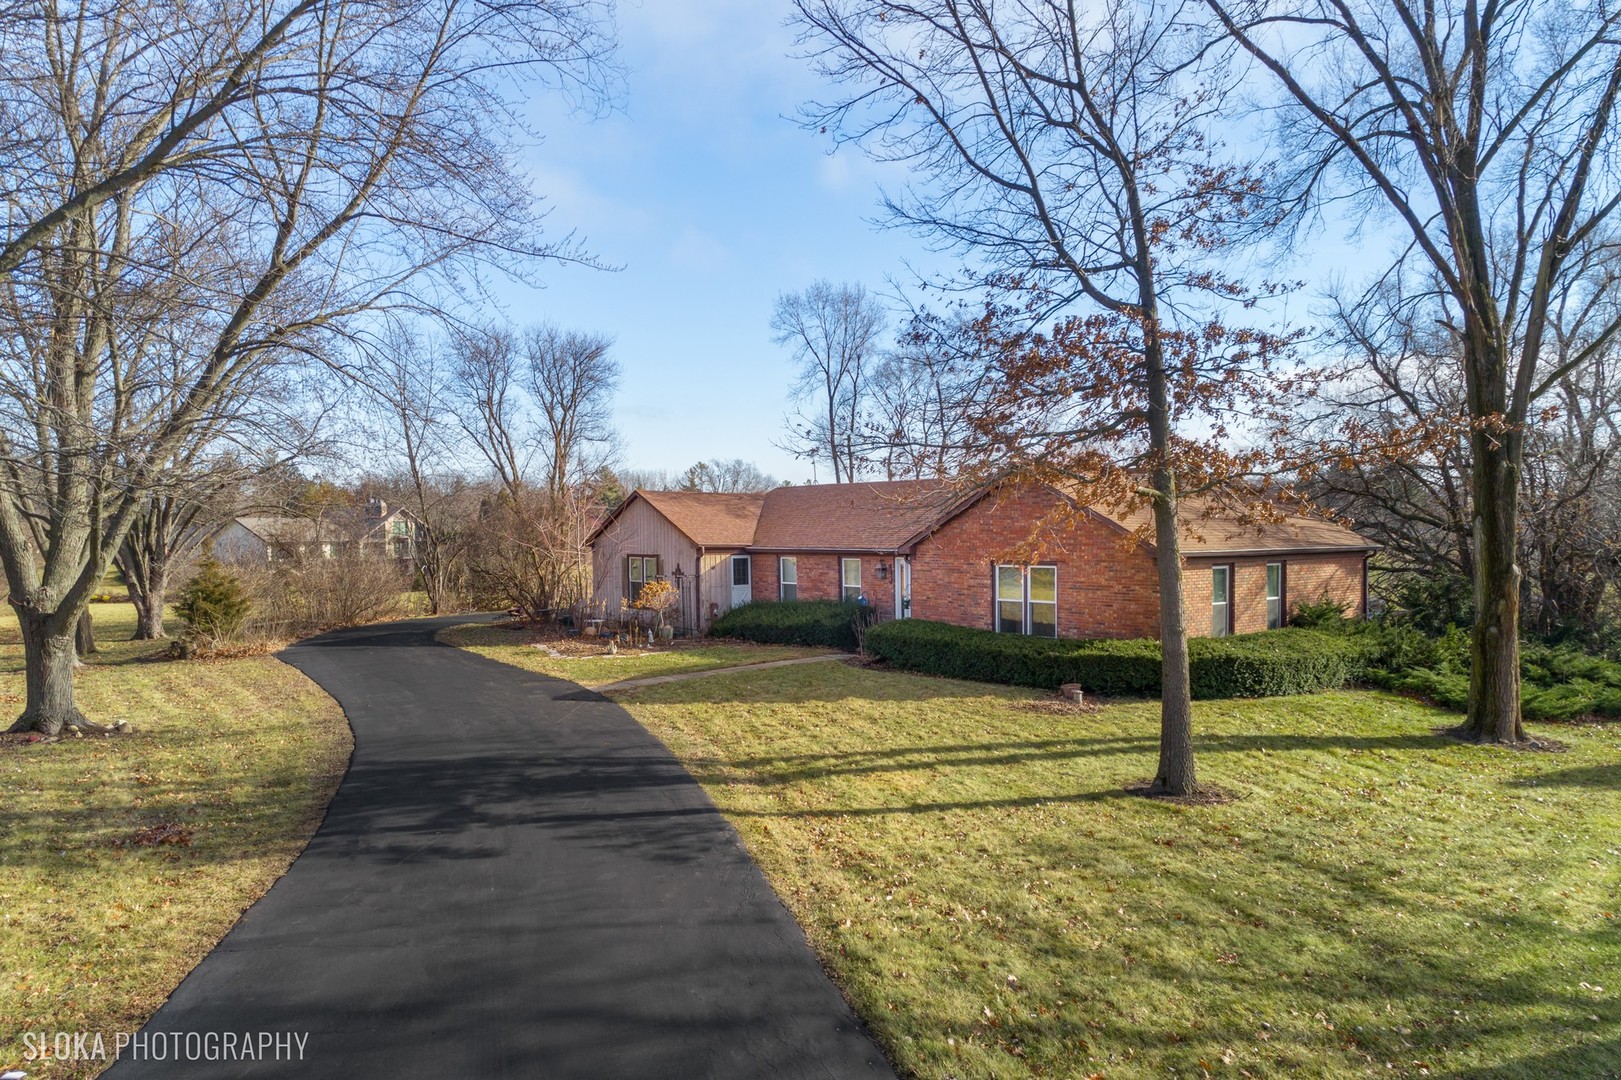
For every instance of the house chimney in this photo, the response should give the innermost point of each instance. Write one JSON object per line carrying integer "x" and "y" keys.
{"x": 376, "y": 509}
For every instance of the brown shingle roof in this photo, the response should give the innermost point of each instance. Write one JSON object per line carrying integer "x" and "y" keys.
{"x": 878, "y": 516}
{"x": 710, "y": 519}
{"x": 1207, "y": 530}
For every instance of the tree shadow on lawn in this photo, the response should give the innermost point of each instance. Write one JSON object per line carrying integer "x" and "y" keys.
{"x": 1598, "y": 777}
{"x": 803, "y": 767}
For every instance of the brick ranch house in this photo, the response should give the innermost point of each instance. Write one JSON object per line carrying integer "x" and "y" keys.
{"x": 918, "y": 548}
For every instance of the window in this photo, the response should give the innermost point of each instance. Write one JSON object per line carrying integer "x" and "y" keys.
{"x": 639, "y": 570}
{"x": 740, "y": 569}
{"x": 1009, "y": 600}
{"x": 1043, "y": 606}
{"x": 788, "y": 578}
{"x": 1027, "y": 600}
{"x": 1275, "y": 584}
{"x": 1221, "y": 601}
{"x": 850, "y": 575}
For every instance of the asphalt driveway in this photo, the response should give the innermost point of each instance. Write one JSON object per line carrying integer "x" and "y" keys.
{"x": 514, "y": 880}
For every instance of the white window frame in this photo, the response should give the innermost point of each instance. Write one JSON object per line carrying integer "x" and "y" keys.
{"x": 1281, "y": 619}
{"x": 1225, "y": 627}
{"x": 787, "y": 576}
{"x": 1023, "y": 599}
{"x": 844, "y": 580}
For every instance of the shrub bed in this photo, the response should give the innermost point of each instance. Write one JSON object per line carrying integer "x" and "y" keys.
{"x": 1251, "y": 665}
{"x": 1558, "y": 682}
{"x": 817, "y": 623}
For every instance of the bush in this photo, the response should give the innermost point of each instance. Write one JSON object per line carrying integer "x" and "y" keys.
{"x": 213, "y": 606}
{"x": 1252, "y": 665}
{"x": 819, "y": 623}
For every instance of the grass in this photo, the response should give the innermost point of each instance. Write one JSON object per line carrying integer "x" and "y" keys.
{"x": 1379, "y": 901}
{"x": 96, "y": 929}
{"x": 498, "y": 642}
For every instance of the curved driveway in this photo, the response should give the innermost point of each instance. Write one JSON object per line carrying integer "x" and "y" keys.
{"x": 514, "y": 880}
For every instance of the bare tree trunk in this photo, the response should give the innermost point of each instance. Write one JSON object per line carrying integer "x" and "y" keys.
{"x": 48, "y": 658}
{"x": 1494, "y": 676}
{"x": 1176, "y": 774}
{"x": 149, "y": 596}
{"x": 84, "y": 635}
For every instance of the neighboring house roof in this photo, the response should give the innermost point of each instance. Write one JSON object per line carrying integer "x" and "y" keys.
{"x": 877, "y": 516}
{"x": 340, "y": 525}
{"x": 710, "y": 519}
{"x": 276, "y": 529}
{"x": 1207, "y": 531}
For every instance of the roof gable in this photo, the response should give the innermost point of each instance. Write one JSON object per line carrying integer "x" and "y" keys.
{"x": 709, "y": 519}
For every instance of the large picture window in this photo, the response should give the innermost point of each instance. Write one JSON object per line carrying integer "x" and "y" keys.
{"x": 1027, "y": 600}
{"x": 1276, "y": 583}
{"x": 639, "y": 570}
{"x": 850, "y": 575}
{"x": 1221, "y": 601}
{"x": 788, "y": 578}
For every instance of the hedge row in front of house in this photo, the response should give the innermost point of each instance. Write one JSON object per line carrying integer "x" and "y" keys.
{"x": 829, "y": 624}
{"x": 1268, "y": 664}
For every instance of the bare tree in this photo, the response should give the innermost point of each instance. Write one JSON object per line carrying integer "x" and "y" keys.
{"x": 1484, "y": 133}
{"x": 408, "y": 379}
{"x": 833, "y": 333}
{"x": 542, "y": 402}
{"x": 730, "y": 475}
{"x": 1066, "y": 150}
{"x": 254, "y": 177}
{"x": 572, "y": 380}
{"x": 924, "y": 394}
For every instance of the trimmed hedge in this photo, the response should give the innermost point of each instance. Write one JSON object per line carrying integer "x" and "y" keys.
{"x": 818, "y": 623}
{"x": 1251, "y": 665}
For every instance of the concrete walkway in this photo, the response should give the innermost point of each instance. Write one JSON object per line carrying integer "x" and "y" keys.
{"x": 654, "y": 680}
{"x": 514, "y": 880}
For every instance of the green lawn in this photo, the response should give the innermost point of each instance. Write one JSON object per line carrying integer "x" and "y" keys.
{"x": 235, "y": 758}
{"x": 1378, "y": 902}
{"x": 510, "y": 646}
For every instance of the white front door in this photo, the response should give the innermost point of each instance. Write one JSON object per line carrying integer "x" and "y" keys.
{"x": 742, "y": 590}
{"x": 903, "y": 588}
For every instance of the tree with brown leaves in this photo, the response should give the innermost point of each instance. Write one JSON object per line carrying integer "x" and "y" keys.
{"x": 1065, "y": 149}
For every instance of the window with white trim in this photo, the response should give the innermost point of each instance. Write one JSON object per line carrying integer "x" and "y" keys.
{"x": 850, "y": 576}
{"x": 1027, "y": 600}
{"x": 639, "y": 570}
{"x": 1276, "y": 583}
{"x": 1221, "y": 601}
{"x": 788, "y": 578}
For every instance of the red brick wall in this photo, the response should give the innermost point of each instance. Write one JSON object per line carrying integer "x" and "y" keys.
{"x": 1105, "y": 588}
{"x": 819, "y": 577}
{"x": 1307, "y": 579}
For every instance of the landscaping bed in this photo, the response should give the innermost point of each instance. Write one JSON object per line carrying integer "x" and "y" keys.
{"x": 585, "y": 660}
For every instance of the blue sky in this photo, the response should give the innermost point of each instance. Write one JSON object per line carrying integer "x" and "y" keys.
{"x": 706, "y": 191}
{"x": 712, "y": 198}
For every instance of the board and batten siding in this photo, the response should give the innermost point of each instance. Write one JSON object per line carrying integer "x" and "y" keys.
{"x": 638, "y": 530}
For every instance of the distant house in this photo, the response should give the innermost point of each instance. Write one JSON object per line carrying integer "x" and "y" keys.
{"x": 374, "y": 530}
{"x": 921, "y": 549}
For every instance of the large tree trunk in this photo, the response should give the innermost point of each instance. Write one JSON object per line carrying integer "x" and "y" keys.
{"x": 149, "y": 598}
{"x": 1176, "y": 775}
{"x": 48, "y": 657}
{"x": 1494, "y": 677}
